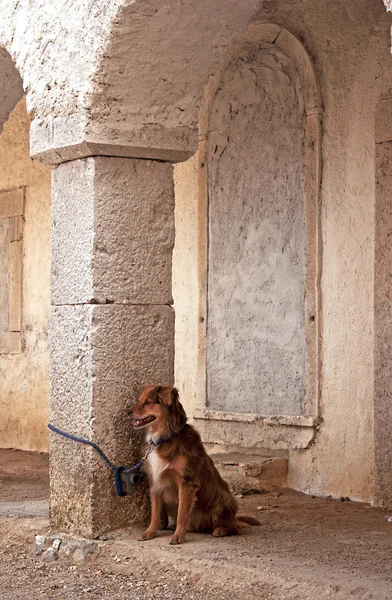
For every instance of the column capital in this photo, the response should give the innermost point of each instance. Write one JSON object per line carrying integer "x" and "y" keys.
{"x": 58, "y": 139}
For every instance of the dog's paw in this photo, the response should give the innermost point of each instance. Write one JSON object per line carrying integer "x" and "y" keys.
{"x": 147, "y": 535}
{"x": 220, "y": 532}
{"x": 171, "y": 525}
{"x": 177, "y": 538}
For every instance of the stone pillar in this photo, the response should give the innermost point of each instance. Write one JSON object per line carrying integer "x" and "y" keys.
{"x": 383, "y": 308}
{"x": 112, "y": 327}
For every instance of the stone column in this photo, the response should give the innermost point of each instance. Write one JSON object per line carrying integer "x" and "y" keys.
{"x": 383, "y": 308}
{"x": 112, "y": 327}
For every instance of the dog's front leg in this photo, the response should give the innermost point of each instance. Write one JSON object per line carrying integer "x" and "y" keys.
{"x": 186, "y": 500}
{"x": 156, "y": 512}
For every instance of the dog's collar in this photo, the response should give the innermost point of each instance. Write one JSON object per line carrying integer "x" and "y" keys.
{"x": 152, "y": 445}
{"x": 164, "y": 439}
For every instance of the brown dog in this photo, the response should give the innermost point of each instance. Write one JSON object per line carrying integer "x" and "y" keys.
{"x": 182, "y": 477}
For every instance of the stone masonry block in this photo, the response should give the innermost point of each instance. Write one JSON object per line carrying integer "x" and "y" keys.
{"x": 72, "y": 232}
{"x": 71, "y": 474}
{"x": 113, "y": 231}
{"x": 101, "y": 356}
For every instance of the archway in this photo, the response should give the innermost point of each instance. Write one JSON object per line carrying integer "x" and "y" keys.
{"x": 267, "y": 67}
{"x": 24, "y": 297}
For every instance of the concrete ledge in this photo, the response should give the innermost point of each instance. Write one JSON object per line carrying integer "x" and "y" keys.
{"x": 61, "y": 139}
{"x": 251, "y": 474}
{"x": 290, "y": 420}
{"x": 280, "y": 432}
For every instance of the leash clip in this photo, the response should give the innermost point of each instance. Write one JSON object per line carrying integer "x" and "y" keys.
{"x": 128, "y": 478}
{"x": 149, "y": 449}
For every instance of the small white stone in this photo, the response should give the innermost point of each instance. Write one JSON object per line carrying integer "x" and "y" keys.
{"x": 39, "y": 544}
{"x": 56, "y": 544}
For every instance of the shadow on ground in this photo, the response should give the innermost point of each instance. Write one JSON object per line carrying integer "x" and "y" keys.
{"x": 306, "y": 548}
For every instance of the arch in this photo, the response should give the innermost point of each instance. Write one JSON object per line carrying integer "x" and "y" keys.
{"x": 277, "y": 35}
{"x": 274, "y": 36}
{"x": 24, "y": 259}
{"x": 148, "y": 81}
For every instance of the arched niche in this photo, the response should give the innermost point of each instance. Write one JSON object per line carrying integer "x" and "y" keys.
{"x": 260, "y": 176}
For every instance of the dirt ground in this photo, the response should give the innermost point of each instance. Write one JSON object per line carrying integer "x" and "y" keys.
{"x": 306, "y": 549}
{"x": 23, "y": 476}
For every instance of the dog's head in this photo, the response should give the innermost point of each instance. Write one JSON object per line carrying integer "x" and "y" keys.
{"x": 159, "y": 409}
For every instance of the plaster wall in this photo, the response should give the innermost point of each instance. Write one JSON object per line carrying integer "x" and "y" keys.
{"x": 24, "y": 390}
{"x": 350, "y": 47}
{"x": 349, "y": 44}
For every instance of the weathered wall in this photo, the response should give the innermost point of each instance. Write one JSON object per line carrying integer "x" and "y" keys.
{"x": 257, "y": 246}
{"x": 349, "y": 44}
{"x": 24, "y": 391}
{"x": 185, "y": 281}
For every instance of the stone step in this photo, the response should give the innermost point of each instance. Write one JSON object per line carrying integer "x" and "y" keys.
{"x": 250, "y": 474}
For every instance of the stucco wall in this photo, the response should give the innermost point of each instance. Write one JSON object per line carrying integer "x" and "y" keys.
{"x": 24, "y": 390}
{"x": 349, "y": 43}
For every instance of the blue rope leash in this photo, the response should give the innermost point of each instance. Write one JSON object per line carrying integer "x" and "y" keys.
{"x": 83, "y": 441}
{"x": 130, "y": 476}
{"x": 118, "y": 471}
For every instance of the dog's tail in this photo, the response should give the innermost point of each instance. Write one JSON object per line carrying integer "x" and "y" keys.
{"x": 248, "y": 520}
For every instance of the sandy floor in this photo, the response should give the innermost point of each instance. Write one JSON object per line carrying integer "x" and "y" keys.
{"x": 306, "y": 549}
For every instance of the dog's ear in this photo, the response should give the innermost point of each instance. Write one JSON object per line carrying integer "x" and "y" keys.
{"x": 174, "y": 396}
{"x": 164, "y": 395}
{"x": 158, "y": 394}
{"x": 151, "y": 392}
{"x": 144, "y": 387}
{"x": 177, "y": 415}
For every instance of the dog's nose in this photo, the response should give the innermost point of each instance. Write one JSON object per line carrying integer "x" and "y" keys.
{"x": 130, "y": 411}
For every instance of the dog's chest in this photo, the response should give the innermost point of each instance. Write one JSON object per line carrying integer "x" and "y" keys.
{"x": 157, "y": 466}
